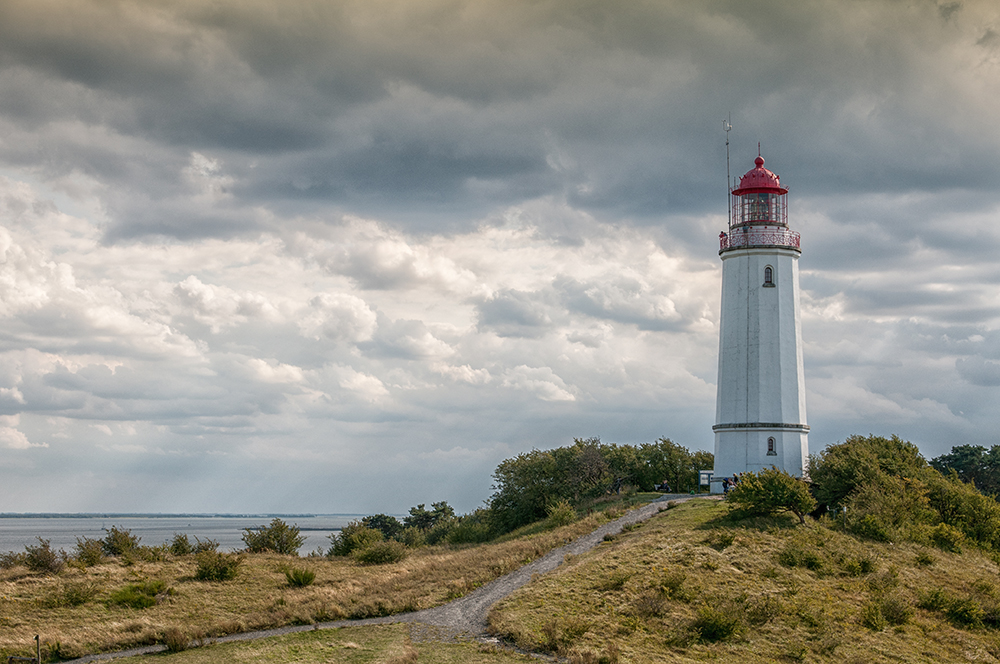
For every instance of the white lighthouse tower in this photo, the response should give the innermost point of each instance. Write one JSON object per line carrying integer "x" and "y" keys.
{"x": 761, "y": 406}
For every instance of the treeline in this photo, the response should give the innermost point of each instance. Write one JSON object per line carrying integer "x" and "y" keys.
{"x": 881, "y": 489}
{"x": 528, "y": 484}
{"x": 973, "y": 464}
{"x": 538, "y": 485}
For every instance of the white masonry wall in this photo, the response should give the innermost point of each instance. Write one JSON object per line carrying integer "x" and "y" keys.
{"x": 761, "y": 389}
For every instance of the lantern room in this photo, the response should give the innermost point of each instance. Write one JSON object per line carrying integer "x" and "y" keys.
{"x": 760, "y": 198}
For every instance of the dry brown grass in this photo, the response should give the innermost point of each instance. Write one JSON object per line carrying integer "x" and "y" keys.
{"x": 682, "y": 571}
{"x": 258, "y": 598}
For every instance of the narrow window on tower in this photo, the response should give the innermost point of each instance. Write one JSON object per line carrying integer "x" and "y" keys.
{"x": 770, "y": 447}
{"x": 768, "y": 277}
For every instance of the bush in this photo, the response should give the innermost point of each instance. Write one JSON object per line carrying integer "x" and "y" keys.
{"x": 180, "y": 545}
{"x": 299, "y": 578}
{"x": 389, "y": 526}
{"x": 88, "y": 552}
{"x": 381, "y": 553}
{"x": 718, "y": 623}
{"x": 871, "y": 616}
{"x": 43, "y": 558}
{"x": 472, "y": 528}
{"x": 215, "y": 566}
{"x": 439, "y": 532}
{"x": 11, "y": 559}
{"x": 412, "y": 536}
{"x": 119, "y": 541}
{"x": 947, "y": 538}
{"x": 352, "y": 537}
{"x": 277, "y": 537}
{"x": 175, "y": 638}
{"x": 561, "y": 513}
{"x": 769, "y": 492}
{"x": 839, "y": 469}
{"x": 886, "y": 507}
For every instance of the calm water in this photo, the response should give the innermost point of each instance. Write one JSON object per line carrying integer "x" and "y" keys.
{"x": 62, "y": 530}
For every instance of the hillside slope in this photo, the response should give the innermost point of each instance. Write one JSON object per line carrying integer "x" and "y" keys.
{"x": 690, "y": 586}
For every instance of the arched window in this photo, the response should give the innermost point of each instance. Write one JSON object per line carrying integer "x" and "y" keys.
{"x": 770, "y": 447}
{"x": 769, "y": 276}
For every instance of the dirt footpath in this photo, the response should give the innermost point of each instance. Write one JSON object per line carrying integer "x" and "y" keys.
{"x": 464, "y": 617}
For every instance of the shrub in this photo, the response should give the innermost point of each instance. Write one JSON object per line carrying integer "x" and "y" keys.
{"x": 884, "y": 508}
{"x": 88, "y": 551}
{"x": 859, "y": 566}
{"x": 561, "y": 513}
{"x": 299, "y": 578}
{"x": 965, "y": 612}
{"x": 139, "y": 595}
{"x": 207, "y": 544}
{"x": 769, "y": 492}
{"x": 472, "y": 528}
{"x": 871, "y": 616}
{"x": 839, "y": 469}
{"x": 381, "y": 553}
{"x": 672, "y": 583}
{"x": 412, "y": 536}
{"x": 43, "y": 558}
{"x": 278, "y": 537}
{"x": 180, "y": 545}
{"x": 352, "y": 537}
{"x": 119, "y": 541}
{"x": 925, "y": 559}
{"x": 11, "y": 559}
{"x": 935, "y": 599}
{"x": 896, "y": 608}
{"x": 215, "y": 566}
{"x": 720, "y": 622}
{"x": 947, "y": 538}
{"x": 439, "y": 532}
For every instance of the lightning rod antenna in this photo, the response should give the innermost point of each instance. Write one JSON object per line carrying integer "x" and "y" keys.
{"x": 728, "y": 125}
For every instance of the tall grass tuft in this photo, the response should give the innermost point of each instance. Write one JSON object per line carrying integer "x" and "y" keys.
{"x": 299, "y": 578}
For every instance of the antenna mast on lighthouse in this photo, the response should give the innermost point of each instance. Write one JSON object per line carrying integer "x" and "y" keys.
{"x": 727, "y": 125}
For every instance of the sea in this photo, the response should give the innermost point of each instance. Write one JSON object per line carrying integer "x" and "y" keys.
{"x": 62, "y": 530}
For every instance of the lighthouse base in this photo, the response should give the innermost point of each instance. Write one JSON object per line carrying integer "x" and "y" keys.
{"x": 741, "y": 448}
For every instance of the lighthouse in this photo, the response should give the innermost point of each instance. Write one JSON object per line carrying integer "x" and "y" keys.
{"x": 760, "y": 416}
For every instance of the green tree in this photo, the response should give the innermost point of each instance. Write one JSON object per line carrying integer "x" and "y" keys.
{"x": 278, "y": 537}
{"x": 973, "y": 464}
{"x": 425, "y": 519}
{"x": 839, "y": 469}
{"x": 389, "y": 526}
{"x": 769, "y": 492}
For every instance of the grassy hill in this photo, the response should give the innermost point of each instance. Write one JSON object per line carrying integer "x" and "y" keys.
{"x": 691, "y": 586}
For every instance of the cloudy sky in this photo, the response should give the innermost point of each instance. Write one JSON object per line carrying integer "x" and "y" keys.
{"x": 348, "y": 256}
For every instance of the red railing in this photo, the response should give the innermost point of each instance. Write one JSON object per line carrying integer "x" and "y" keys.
{"x": 758, "y": 238}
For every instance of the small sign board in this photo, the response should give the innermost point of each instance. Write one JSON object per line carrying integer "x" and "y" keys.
{"x": 705, "y": 477}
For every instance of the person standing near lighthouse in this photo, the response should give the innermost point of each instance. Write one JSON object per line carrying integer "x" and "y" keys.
{"x": 760, "y": 408}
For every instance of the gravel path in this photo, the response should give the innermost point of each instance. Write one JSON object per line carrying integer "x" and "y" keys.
{"x": 463, "y": 618}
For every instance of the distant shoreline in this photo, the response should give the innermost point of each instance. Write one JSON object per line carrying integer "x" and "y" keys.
{"x": 165, "y": 515}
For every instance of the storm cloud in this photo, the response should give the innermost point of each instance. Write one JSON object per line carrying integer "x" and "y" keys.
{"x": 332, "y": 248}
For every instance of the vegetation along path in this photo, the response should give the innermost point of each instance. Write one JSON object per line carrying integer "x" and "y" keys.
{"x": 464, "y": 617}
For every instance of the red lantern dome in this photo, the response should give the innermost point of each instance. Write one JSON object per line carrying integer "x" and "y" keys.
{"x": 759, "y": 180}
